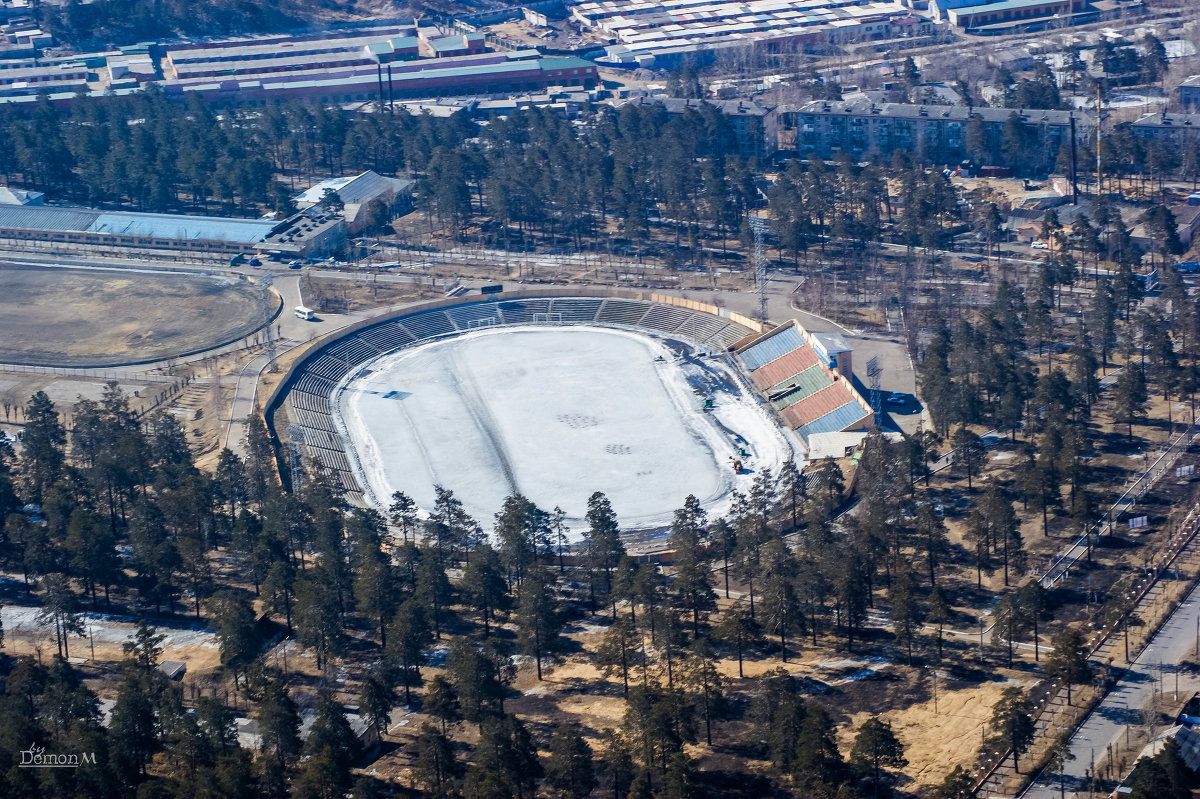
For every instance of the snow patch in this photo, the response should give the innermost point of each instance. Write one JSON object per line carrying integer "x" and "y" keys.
{"x": 555, "y": 413}
{"x": 106, "y": 628}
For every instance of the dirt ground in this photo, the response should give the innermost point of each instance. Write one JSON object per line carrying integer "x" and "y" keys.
{"x": 346, "y": 296}
{"x": 86, "y": 318}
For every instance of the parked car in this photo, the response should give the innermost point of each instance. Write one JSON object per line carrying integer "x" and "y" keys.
{"x": 896, "y": 398}
{"x": 294, "y": 265}
{"x": 1038, "y": 245}
{"x": 255, "y": 262}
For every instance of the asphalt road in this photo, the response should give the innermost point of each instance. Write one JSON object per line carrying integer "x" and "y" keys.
{"x": 1157, "y": 667}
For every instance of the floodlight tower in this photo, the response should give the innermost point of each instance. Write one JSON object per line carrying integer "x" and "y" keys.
{"x": 758, "y": 226}
{"x": 874, "y": 375}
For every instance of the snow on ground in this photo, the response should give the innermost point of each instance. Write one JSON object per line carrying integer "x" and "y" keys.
{"x": 104, "y": 628}
{"x": 555, "y": 413}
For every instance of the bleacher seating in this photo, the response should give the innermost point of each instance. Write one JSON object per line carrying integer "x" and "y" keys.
{"x": 622, "y": 312}
{"x": 317, "y": 421}
{"x": 726, "y": 338}
{"x": 781, "y": 370}
{"x": 518, "y": 312}
{"x": 331, "y": 458}
{"x": 468, "y": 317}
{"x": 803, "y": 385}
{"x": 428, "y": 325}
{"x": 667, "y": 318}
{"x": 819, "y": 403}
{"x": 352, "y": 350}
{"x": 576, "y": 310}
{"x": 317, "y": 403}
{"x": 321, "y": 438}
{"x": 702, "y": 327}
{"x": 312, "y": 384}
{"x": 329, "y": 368}
{"x": 836, "y": 420}
{"x": 386, "y": 337}
{"x": 310, "y": 402}
{"x": 774, "y": 347}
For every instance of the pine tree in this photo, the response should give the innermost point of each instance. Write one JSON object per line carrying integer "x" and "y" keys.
{"x": 435, "y": 768}
{"x": 1129, "y": 397}
{"x": 738, "y": 630}
{"x": 483, "y": 585}
{"x": 42, "y": 445}
{"x": 1068, "y": 661}
{"x": 780, "y": 608}
{"x": 1031, "y": 602}
{"x": 476, "y": 680}
{"x": 410, "y": 636}
{"x": 539, "y": 624}
{"x": 939, "y": 613}
{"x": 331, "y": 747}
{"x": 958, "y": 784}
{"x": 904, "y": 610}
{"x": 441, "y": 702}
{"x": 237, "y": 630}
{"x": 376, "y": 590}
{"x": 403, "y": 514}
{"x": 505, "y": 756}
{"x": 378, "y": 695}
{"x": 1013, "y": 725}
{"x": 569, "y": 770}
{"x": 620, "y": 650}
{"x": 691, "y": 586}
{"x": 317, "y": 619}
{"x": 279, "y": 728}
{"x": 876, "y": 747}
{"x": 705, "y": 683}
{"x": 818, "y": 764}
{"x": 602, "y": 544}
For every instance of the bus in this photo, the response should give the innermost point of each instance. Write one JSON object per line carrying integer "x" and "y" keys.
{"x": 307, "y": 314}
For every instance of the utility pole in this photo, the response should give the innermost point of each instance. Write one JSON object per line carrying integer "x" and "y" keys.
{"x": 1074, "y": 172}
{"x": 1099, "y": 168}
{"x": 268, "y": 279}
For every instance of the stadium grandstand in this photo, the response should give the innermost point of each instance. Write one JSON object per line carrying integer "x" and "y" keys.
{"x": 808, "y": 379}
{"x": 305, "y": 395}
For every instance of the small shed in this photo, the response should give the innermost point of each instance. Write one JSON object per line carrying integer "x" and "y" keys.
{"x": 174, "y": 669}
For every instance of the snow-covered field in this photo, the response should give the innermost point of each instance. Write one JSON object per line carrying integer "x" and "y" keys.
{"x": 555, "y": 413}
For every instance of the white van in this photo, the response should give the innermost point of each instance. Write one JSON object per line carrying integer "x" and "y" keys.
{"x": 307, "y": 314}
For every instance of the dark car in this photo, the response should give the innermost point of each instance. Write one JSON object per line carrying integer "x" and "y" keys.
{"x": 255, "y": 262}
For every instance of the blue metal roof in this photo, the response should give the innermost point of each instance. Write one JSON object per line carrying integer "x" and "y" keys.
{"x": 170, "y": 226}
{"x": 118, "y": 223}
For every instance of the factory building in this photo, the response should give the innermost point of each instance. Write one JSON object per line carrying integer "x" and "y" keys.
{"x": 976, "y": 14}
{"x": 653, "y": 33}
{"x": 357, "y": 192}
{"x": 486, "y": 74}
{"x": 311, "y": 232}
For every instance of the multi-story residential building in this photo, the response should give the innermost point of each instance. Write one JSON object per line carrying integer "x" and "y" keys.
{"x": 1189, "y": 94}
{"x": 1025, "y": 139}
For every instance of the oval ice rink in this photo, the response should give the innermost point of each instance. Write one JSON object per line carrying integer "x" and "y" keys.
{"x": 553, "y": 413}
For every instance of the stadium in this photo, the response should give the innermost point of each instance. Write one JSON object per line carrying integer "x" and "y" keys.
{"x": 645, "y": 397}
